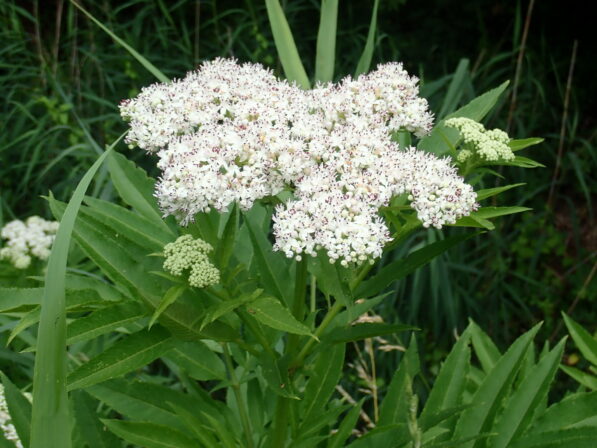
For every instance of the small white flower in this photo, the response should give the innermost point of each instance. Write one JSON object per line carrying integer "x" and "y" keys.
{"x": 32, "y": 238}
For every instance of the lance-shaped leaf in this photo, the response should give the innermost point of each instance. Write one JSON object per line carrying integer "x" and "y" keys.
{"x": 492, "y": 391}
{"x": 199, "y": 361}
{"x": 126, "y": 355}
{"x": 14, "y": 298}
{"x": 291, "y": 61}
{"x": 517, "y": 145}
{"x": 561, "y": 438}
{"x": 150, "y": 435}
{"x": 271, "y": 312}
{"x": 365, "y": 60}
{"x": 50, "y": 424}
{"x": 573, "y": 410}
{"x": 92, "y": 430}
{"x": 326, "y": 41}
{"x": 522, "y": 405}
{"x": 169, "y": 298}
{"x": 19, "y": 409}
{"x": 401, "y": 268}
{"x": 585, "y": 342}
{"x": 218, "y": 310}
{"x": 346, "y": 427}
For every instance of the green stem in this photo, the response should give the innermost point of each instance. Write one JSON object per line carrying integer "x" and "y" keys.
{"x": 313, "y": 291}
{"x": 361, "y": 276}
{"x": 242, "y": 410}
{"x": 333, "y": 312}
{"x": 282, "y": 413}
{"x": 257, "y": 332}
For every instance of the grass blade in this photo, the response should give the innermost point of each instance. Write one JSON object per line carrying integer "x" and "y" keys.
{"x": 326, "y": 41}
{"x": 291, "y": 61}
{"x": 367, "y": 55}
{"x": 50, "y": 425}
{"x": 144, "y": 62}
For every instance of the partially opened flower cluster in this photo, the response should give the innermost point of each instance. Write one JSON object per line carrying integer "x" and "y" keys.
{"x": 234, "y": 133}
{"x": 487, "y": 145}
{"x": 26, "y": 240}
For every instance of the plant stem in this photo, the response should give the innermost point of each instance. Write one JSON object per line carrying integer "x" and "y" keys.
{"x": 280, "y": 423}
{"x": 313, "y": 293}
{"x": 334, "y": 310}
{"x": 242, "y": 410}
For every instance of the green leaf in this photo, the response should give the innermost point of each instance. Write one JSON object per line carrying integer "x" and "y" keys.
{"x": 332, "y": 280}
{"x": 522, "y": 405}
{"x": 50, "y": 423}
{"x": 228, "y": 240}
{"x": 144, "y": 62}
{"x": 150, "y": 435}
{"x": 447, "y": 391}
{"x": 486, "y": 351}
{"x": 492, "y": 391}
{"x": 394, "y": 408}
{"x": 572, "y": 410}
{"x": 169, "y": 298}
{"x": 338, "y": 440}
{"x": 456, "y": 88}
{"x": 273, "y": 267}
{"x": 19, "y": 409}
{"x": 517, "y": 145}
{"x": 586, "y": 379}
{"x": 365, "y": 60}
{"x": 397, "y": 434}
{"x": 326, "y": 41}
{"x": 365, "y": 330}
{"x": 13, "y": 298}
{"x": 103, "y": 321}
{"x": 401, "y": 268}
{"x": 149, "y": 402}
{"x": 136, "y": 189}
{"x": 217, "y": 310}
{"x": 585, "y": 342}
{"x": 271, "y": 312}
{"x": 291, "y": 61}
{"x": 442, "y": 138}
{"x": 88, "y": 423}
{"x": 198, "y": 361}
{"x": 562, "y": 438}
{"x": 275, "y": 374}
{"x": 134, "y": 226}
{"x": 129, "y": 353}
{"x": 200, "y": 430}
{"x": 492, "y": 212}
{"x": 523, "y": 162}
{"x": 322, "y": 383}
{"x": 489, "y": 192}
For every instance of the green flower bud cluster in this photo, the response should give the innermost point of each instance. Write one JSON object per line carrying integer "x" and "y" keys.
{"x": 187, "y": 253}
{"x": 490, "y": 145}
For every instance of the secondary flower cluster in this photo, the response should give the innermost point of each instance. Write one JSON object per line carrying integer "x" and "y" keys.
{"x": 25, "y": 240}
{"x": 488, "y": 145}
{"x": 234, "y": 133}
{"x": 190, "y": 254}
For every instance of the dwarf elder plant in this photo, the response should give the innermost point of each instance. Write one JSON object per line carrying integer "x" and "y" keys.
{"x": 217, "y": 302}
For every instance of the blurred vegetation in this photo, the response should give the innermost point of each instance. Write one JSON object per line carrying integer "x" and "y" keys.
{"x": 62, "y": 78}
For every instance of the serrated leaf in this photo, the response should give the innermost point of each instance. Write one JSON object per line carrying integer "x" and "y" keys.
{"x": 322, "y": 383}
{"x": 199, "y": 361}
{"x": 518, "y": 144}
{"x": 103, "y": 321}
{"x": 135, "y": 188}
{"x": 169, "y": 298}
{"x": 490, "y": 394}
{"x": 271, "y": 312}
{"x": 489, "y": 192}
{"x": 572, "y": 410}
{"x": 585, "y": 342}
{"x": 394, "y": 407}
{"x": 447, "y": 390}
{"x": 522, "y": 405}
{"x": 129, "y": 353}
{"x": 88, "y": 423}
{"x": 150, "y": 435}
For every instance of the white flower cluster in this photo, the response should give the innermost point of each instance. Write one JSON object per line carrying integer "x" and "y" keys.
{"x": 8, "y": 429}
{"x": 187, "y": 253}
{"x": 234, "y": 133}
{"x": 489, "y": 145}
{"x": 25, "y": 240}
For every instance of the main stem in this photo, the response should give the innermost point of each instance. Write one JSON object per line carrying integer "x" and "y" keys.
{"x": 242, "y": 410}
{"x": 281, "y": 416}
